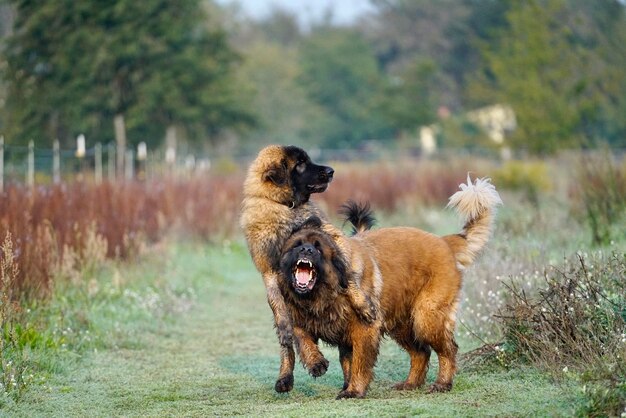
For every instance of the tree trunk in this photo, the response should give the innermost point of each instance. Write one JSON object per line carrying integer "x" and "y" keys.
{"x": 120, "y": 142}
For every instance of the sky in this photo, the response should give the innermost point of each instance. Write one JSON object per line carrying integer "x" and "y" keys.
{"x": 344, "y": 11}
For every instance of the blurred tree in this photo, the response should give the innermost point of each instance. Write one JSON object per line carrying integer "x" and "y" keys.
{"x": 409, "y": 101}
{"x": 340, "y": 75}
{"x": 533, "y": 68}
{"x": 598, "y": 29}
{"x": 78, "y": 66}
{"x": 281, "y": 27}
{"x": 405, "y": 32}
{"x": 554, "y": 75}
{"x": 283, "y": 108}
{"x": 467, "y": 35}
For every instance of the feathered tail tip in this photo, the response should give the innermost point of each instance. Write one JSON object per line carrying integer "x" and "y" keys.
{"x": 475, "y": 198}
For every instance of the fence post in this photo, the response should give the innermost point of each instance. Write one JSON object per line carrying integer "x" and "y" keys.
{"x": 142, "y": 156}
{"x": 129, "y": 160}
{"x": 170, "y": 160}
{"x": 30, "y": 179}
{"x": 1, "y": 164}
{"x": 111, "y": 161}
{"x": 56, "y": 162}
{"x": 120, "y": 139}
{"x": 98, "y": 163}
{"x": 80, "y": 153}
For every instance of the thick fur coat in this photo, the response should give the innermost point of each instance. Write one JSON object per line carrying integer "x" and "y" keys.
{"x": 421, "y": 280}
{"x": 276, "y": 202}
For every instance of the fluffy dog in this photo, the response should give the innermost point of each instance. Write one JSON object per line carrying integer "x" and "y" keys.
{"x": 421, "y": 280}
{"x": 276, "y": 202}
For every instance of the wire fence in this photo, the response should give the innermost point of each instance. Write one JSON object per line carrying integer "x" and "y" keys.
{"x": 32, "y": 165}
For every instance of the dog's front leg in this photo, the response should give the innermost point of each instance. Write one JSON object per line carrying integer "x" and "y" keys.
{"x": 310, "y": 355}
{"x": 284, "y": 330}
{"x": 345, "y": 358}
{"x": 365, "y": 343}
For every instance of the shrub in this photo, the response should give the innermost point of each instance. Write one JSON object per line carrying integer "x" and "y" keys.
{"x": 599, "y": 196}
{"x": 528, "y": 177}
{"x": 576, "y": 323}
{"x": 13, "y": 365}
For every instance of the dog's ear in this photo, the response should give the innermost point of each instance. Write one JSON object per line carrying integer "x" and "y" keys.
{"x": 276, "y": 173}
{"x": 341, "y": 268}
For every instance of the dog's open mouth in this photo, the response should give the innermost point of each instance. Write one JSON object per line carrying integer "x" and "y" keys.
{"x": 304, "y": 276}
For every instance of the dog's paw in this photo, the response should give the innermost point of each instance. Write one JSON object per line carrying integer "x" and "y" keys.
{"x": 319, "y": 368}
{"x": 405, "y": 386}
{"x": 440, "y": 387}
{"x": 284, "y": 384}
{"x": 346, "y": 394}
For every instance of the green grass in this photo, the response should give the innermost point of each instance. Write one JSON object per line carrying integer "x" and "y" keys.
{"x": 215, "y": 353}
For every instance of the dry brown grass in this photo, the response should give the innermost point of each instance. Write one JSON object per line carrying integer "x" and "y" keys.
{"x": 60, "y": 228}
{"x": 392, "y": 185}
{"x": 72, "y": 223}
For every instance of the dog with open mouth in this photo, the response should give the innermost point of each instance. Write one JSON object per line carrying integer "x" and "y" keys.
{"x": 420, "y": 274}
{"x": 277, "y": 189}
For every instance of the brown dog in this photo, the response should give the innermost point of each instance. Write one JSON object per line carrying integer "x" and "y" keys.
{"x": 276, "y": 202}
{"x": 421, "y": 280}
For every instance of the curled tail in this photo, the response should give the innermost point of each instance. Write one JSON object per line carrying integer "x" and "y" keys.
{"x": 360, "y": 215}
{"x": 476, "y": 204}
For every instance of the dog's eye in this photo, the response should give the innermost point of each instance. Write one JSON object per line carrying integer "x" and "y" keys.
{"x": 318, "y": 246}
{"x": 298, "y": 243}
{"x": 301, "y": 166}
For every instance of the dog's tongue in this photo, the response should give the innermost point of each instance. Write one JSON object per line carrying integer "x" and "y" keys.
{"x": 303, "y": 276}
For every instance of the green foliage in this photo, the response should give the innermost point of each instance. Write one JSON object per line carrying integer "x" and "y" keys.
{"x": 534, "y": 68}
{"x": 528, "y": 177}
{"x": 574, "y": 323}
{"x": 73, "y": 66}
{"x": 284, "y": 111}
{"x": 405, "y": 33}
{"x": 461, "y": 133}
{"x": 600, "y": 196}
{"x": 482, "y": 20}
{"x": 554, "y": 75}
{"x": 603, "y": 399}
{"x": 341, "y": 76}
{"x": 407, "y": 101}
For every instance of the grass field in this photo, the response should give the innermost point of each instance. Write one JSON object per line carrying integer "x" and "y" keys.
{"x": 213, "y": 352}
{"x": 174, "y": 320}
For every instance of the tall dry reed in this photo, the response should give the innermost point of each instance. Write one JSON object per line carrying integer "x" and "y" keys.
{"x": 49, "y": 221}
